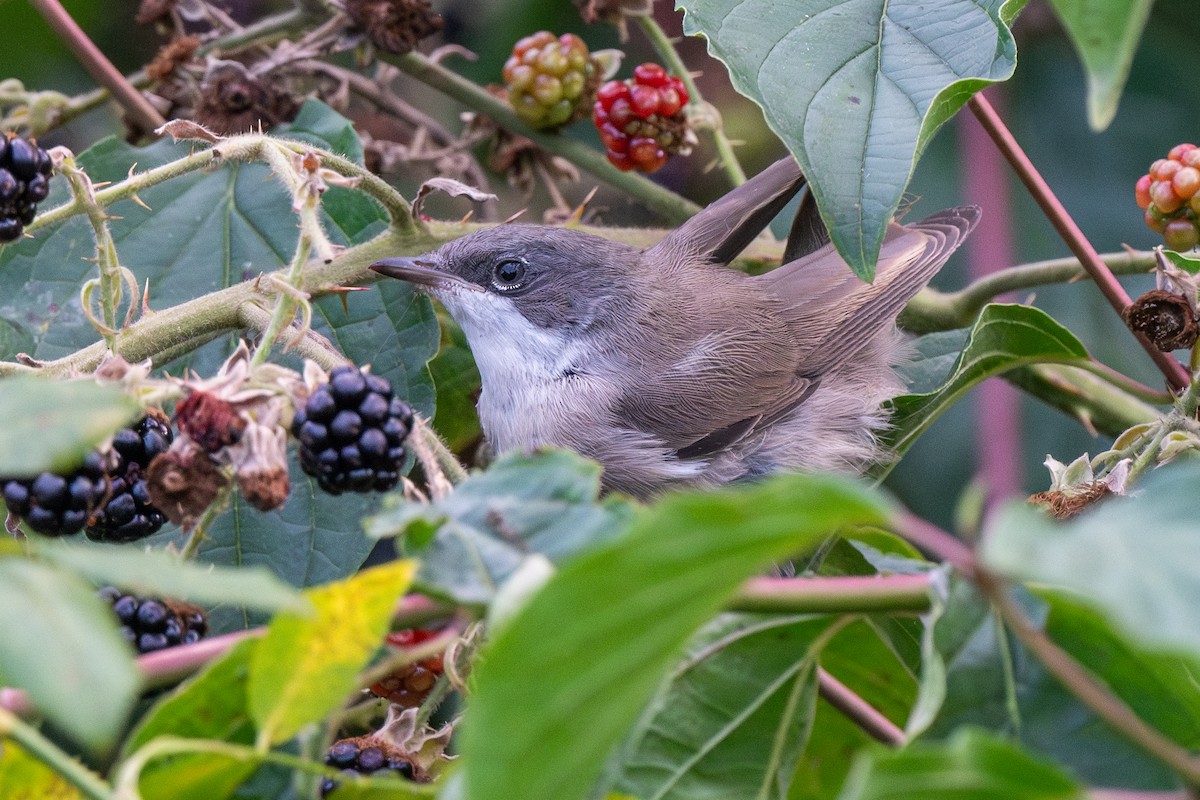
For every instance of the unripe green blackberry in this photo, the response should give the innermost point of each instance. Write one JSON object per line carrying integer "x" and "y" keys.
{"x": 352, "y": 431}
{"x": 129, "y": 515}
{"x": 551, "y": 81}
{"x": 641, "y": 120}
{"x": 365, "y": 756}
{"x": 25, "y": 172}
{"x": 150, "y": 624}
{"x": 1169, "y": 196}
{"x": 58, "y": 505}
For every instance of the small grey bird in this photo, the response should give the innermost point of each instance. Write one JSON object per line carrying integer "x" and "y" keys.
{"x": 668, "y": 367}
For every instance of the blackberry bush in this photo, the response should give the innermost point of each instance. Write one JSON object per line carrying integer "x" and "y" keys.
{"x": 150, "y": 623}
{"x": 24, "y": 182}
{"x": 352, "y": 431}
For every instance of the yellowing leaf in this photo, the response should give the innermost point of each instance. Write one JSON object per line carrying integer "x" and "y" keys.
{"x": 306, "y": 665}
{"x": 22, "y": 777}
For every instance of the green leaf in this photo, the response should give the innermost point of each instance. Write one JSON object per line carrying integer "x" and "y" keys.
{"x": 306, "y": 665}
{"x": 1189, "y": 265}
{"x": 210, "y": 705}
{"x": 61, "y": 646}
{"x": 382, "y": 788}
{"x": 458, "y": 384}
{"x": 857, "y": 88}
{"x": 158, "y": 573}
{"x": 1133, "y": 559}
{"x": 971, "y": 765}
{"x": 543, "y": 503}
{"x": 25, "y": 778}
{"x": 602, "y": 632}
{"x": 66, "y": 420}
{"x": 1105, "y": 34}
{"x": 735, "y": 715}
{"x": 1004, "y": 337}
{"x": 320, "y": 125}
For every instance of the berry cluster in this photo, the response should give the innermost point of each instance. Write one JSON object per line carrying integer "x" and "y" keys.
{"x": 410, "y": 685}
{"x": 641, "y": 120}
{"x": 24, "y": 182}
{"x": 551, "y": 81}
{"x": 108, "y": 496}
{"x": 129, "y": 515}
{"x": 352, "y": 431}
{"x": 58, "y": 505}
{"x": 364, "y": 757}
{"x": 1170, "y": 196}
{"x": 151, "y": 624}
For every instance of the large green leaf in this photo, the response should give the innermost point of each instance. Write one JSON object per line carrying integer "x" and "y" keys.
{"x": 856, "y": 89}
{"x": 66, "y": 420}
{"x": 1004, "y": 337}
{"x": 602, "y": 633}
{"x": 471, "y": 540}
{"x": 971, "y": 765}
{"x": 1105, "y": 34}
{"x": 1135, "y": 559}
{"x": 60, "y": 644}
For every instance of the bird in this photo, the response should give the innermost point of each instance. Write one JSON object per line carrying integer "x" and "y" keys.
{"x": 672, "y": 369}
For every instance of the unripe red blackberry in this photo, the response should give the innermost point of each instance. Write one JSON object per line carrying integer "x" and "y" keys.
{"x": 410, "y": 684}
{"x": 58, "y": 505}
{"x": 641, "y": 120}
{"x": 25, "y": 172}
{"x": 365, "y": 756}
{"x": 129, "y": 515}
{"x": 150, "y": 624}
{"x": 1169, "y": 196}
{"x": 550, "y": 81}
{"x": 352, "y": 431}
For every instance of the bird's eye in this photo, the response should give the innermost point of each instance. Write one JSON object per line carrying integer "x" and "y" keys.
{"x": 509, "y": 274}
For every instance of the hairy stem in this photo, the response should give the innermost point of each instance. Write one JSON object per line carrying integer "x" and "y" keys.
{"x": 666, "y": 49}
{"x": 671, "y": 206}
{"x": 31, "y": 740}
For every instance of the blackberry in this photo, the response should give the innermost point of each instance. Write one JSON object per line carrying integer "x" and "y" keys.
{"x": 1169, "y": 194}
{"x": 58, "y": 505}
{"x": 410, "y": 684}
{"x": 642, "y": 121}
{"x": 364, "y": 756}
{"x": 150, "y": 624}
{"x": 129, "y": 514}
{"x": 352, "y": 431}
{"x": 551, "y": 81}
{"x": 24, "y": 182}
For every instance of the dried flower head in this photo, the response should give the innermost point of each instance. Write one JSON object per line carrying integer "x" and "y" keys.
{"x": 171, "y": 56}
{"x": 232, "y": 100}
{"x": 394, "y": 26}
{"x": 184, "y": 481}
{"x": 260, "y": 466}
{"x": 1074, "y": 486}
{"x": 1167, "y": 319}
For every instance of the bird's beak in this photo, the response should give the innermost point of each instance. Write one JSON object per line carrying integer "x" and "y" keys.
{"x": 422, "y": 273}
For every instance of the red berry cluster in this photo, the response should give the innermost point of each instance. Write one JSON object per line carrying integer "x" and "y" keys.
{"x": 409, "y": 685}
{"x": 550, "y": 79}
{"x": 641, "y": 120}
{"x": 1170, "y": 196}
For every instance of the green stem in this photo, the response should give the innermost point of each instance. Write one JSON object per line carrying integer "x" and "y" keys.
{"x": 1191, "y": 398}
{"x": 31, "y": 740}
{"x": 666, "y": 49}
{"x": 199, "y": 533}
{"x": 436, "y": 695}
{"x": 671, "y": 206}
{"x": 1122, "y": 381}
{"x": 844, "y": 595}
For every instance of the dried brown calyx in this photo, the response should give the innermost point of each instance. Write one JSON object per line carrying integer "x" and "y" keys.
{"x": 1064, "y": 505}
{"x": 394, "y": 26}
{"x": 232, "y": 100}
{"x": 1167, "y": 319}
{"x": 171, "y": 56}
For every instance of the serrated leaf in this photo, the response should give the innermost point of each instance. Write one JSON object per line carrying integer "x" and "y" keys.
{"x": 1003, "y": 338}
{"x": 304, "y": 666}
{"x": 66, "y": 420}
{"x": 1133, "y": 558}
{"x": 1106, "y": 35}
{"x": 210, "y": 705}
{"x": 158, "y": 573}
{"x": 735, "y": 715}
{"x": 61, "y": 645}
{"x": 857, "y": 88}
{"x": 544, "y": 503}
{"x": 25, "y": 778}
{"x": 971, "y": 765}
{"x": 620, "y": 614}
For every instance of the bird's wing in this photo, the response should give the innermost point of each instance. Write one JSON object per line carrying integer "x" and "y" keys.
{"x": 724, "y": 228}
{"x": 833, "y": 314}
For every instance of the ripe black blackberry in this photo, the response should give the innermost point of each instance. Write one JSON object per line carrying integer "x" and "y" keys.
{"x": 129, "y": 515}
{"x": 24, "y": 182}
{"x": 352, "y": 431}
{"x": 58, "y": 505}
{"x": 364, "y": 756}
{"x": 152, "y": 624}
